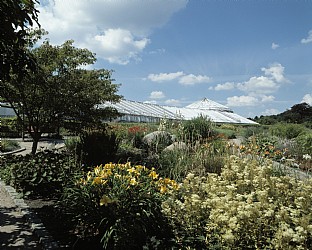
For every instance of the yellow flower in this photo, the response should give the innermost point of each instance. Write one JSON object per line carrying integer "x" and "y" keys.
{"x": 133, "y": 182}
{"x": 163, "y": 189}
{"x": 89, "y": 176}
{"x": 105, "y": 200}
{"x": 131, "y": 170}
{"x": 97, "y": 180}
{"x": 97, "y": 170}
{"x": 139, "y": 168}
{"x": 153, "y": 175}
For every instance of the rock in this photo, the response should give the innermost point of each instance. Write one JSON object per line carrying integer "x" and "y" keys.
{"x": 176, "y": 146}
{"x": 158, "y": 136}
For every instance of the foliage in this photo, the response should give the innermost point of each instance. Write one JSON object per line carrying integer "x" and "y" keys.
{"x": 288, "y": 131}
{"x": 298, "y": 113}
{"x": 254, "y": 131}
{"x": 98, "y": 146}
{"x": 60, "y": 92}
{"x": 197, "y": 129}
{"x": 263, "y": 146}
{"x": 45, "y": 173}
{"x": 10, "y": 127}
{"x": 245, "y": 207}
{"x": 72, "y": 144}
{"x": 16, "y": 16}
{"x": 304, "y": 143}
{"x": 136, "y": 134}
{"x": 200, "y": 159}
{"x": 8, "y": 145}
{"x": 122, "y": 203}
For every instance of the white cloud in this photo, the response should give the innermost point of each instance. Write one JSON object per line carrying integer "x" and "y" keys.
{"x": 94, "y": 24}
{"x": 275, "y": 72}
{"x": 117, "y": 46}
{"x": 262, "y": 85}
{"x": 182, "y": 78}
{"x": 274, "y": 46}
{"x": 258, "y": 86}
{"x": 308, "y": 39}
{"x": 173, "y": 102}
{"x": 239, "y": 101}
{"x": 150, "y": 102}
{"x": 164, "y": 76}
{"x": 225, "y": 86}
{"x": 193, "y": 79}
{"x": 157, "y": 95}
{"x": 307, "y": 99}
{"x": 270, "y": 112}
{"x": 266, "y": 98}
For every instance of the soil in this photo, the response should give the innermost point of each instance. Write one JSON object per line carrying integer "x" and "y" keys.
{"x": 59, "y": 227}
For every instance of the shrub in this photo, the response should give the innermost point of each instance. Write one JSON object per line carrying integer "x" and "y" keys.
{"x": 98, "y": 146}
{"x": 197, "y": 129}
{"x": 8, "y": 145}
{"x": 286, "y": 130}
{"x": 264, "y": 146}
{"x": 122, "y": 204}
{"x": 304, "y": 143}
{"x": 10, "y": 127}
{"x": 254, "y": 131}
{"x": 245, "y": 207}
{"x": 45, "y": 173}
{"x": 135, "y": 135}
{"x": 72, "y": 144}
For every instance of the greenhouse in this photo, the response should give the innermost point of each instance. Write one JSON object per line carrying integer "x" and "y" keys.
{"x": 132, "y": 111}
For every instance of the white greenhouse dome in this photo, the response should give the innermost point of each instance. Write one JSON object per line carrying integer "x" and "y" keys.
{"x": 132, "y": 111}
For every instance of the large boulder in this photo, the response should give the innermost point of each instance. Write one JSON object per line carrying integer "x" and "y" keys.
{"x": 176, "y": 146}
{"x": 158, "y": 140}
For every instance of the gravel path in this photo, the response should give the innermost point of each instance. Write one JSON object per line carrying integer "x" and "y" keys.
{"x": 15, "y": 233}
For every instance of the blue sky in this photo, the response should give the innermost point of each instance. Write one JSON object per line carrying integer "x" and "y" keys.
{"x": 253, "y": 56}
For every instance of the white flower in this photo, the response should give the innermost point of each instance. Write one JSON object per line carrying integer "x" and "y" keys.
{"x": 306, "y": 157}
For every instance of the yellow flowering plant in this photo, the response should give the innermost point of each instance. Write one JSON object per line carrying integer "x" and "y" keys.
{"x": 121, "y": 204}
{"x": 245, "y": 207}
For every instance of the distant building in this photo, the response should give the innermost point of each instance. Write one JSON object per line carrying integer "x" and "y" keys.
{"x": 5, "y": 111}
{"x": 132, "y": 111}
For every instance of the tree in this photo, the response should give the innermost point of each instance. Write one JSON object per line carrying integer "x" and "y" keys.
{"x": 60, "y": 92}
{"x": 16, "y": 16}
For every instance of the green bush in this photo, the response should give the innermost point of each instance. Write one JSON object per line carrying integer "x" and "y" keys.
{"x": 255, "y": 130}
{"x": 72, "y": 144}
{"x": 98, "y": 147}
{"x": 304, "y": 143}
{"x": 246, "y": 207}
{"x": 286, "y": 130}
{"x": 8, "y": 145}
{"x": 45, "y": 173}
{"x": 197, "y": 129}
{"x": 10, "y": 127}
{"x": 122, "y": 204}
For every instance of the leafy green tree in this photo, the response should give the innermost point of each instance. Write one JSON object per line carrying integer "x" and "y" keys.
{"x": 61, "y": 92}
{"x": 16, "y": 16}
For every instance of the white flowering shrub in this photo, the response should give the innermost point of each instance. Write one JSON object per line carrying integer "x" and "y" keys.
{"x": 245, "y": 207}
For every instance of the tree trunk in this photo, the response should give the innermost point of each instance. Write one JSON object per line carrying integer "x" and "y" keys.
{"x": 36, "y": 137}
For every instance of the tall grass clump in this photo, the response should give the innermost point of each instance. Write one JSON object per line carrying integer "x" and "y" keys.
{"x": 197, "y": 130}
